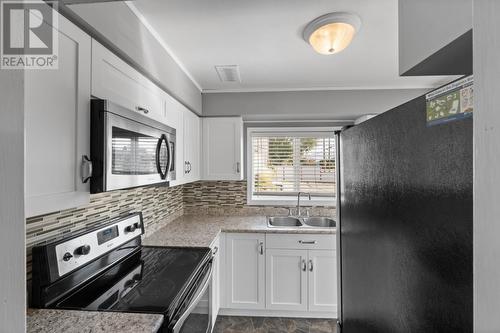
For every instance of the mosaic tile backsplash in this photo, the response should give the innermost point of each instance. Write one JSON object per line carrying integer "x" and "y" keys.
{"x": 230, "y": 198}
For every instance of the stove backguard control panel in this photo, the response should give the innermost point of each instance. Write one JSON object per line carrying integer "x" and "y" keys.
{"x": 85, "y": 248}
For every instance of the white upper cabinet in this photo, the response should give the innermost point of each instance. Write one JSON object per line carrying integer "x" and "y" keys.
{"x": 222, "y": 148}
{"x": 188, "y": 145}
{"x": 57, "y": 106}
{"x": 175, "y": 119}
{"x": 192, "y": 147}
{"x": 114, "y": 79}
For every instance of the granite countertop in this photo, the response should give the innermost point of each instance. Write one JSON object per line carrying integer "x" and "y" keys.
{"x": 69, "y": 321}
{"x": 201, "y": 230}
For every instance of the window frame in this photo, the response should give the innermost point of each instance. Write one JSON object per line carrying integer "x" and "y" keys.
{"x": 290, "y": 200}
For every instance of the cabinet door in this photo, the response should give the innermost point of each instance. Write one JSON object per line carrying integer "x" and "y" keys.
{"x": 114, "y": 79}
{"x": 175, "y": 118}
{"x": 57, "y": 106}
{"x": 245, "y": 276}
{"x": 215, "y": 287}
{"x": 322, "y": 267}
{"x": 222, "y": 148}
{"x": 286, "y": 279}
{"x": 192, "y": 143}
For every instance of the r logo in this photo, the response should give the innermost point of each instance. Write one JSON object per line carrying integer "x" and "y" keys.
{"x": 27, "y": 28}
{"x": 28, "y": 31}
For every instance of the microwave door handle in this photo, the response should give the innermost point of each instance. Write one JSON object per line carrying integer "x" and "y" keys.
{"x": 163, "y": 138}
{"x": 194, "y": 303}
{"x": 170, "y": 160}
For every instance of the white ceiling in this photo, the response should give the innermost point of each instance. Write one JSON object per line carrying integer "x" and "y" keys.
{"x": 264, "y": 38}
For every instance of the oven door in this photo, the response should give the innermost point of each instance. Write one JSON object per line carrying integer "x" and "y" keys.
{"x": 136, "y": 154}
{"x": 195, "y": 314}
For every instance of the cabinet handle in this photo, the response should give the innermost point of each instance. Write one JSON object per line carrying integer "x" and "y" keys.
{"x": 311, "y": 267}
{"x": 189, "y": 167}
{"x": 304, "y": 267}
{"x": 215, "y": 250}
{"x": 86, "y": 169}
{"x": 238, "y": 167}
{"x": 261, "y": 248}
{"x": 141, "y": 109}
{"x": 307, "y": 242}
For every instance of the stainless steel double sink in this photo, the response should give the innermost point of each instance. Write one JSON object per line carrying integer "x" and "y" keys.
{"x": 301, "y": 222}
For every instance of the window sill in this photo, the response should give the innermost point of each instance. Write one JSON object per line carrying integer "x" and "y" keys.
{"x": 290, "y": 202}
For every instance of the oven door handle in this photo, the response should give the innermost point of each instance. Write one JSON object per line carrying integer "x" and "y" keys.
{"x": 194, "y": 303}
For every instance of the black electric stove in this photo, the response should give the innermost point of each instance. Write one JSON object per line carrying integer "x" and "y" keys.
{"x": 107, "y": 269}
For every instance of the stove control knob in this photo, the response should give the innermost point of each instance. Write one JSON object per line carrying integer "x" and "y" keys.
{"x": 67, "y": 256}
{"x": 132, "y": 227}
{"x": 83, "y": 250}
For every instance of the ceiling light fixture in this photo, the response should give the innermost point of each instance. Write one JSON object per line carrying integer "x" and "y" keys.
{"x": 333, "y": 32}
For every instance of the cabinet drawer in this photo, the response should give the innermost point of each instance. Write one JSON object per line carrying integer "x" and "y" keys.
{"x": 300, "y": 241}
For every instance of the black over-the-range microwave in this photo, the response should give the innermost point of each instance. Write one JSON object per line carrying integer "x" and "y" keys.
{"x": 128, "y": 149}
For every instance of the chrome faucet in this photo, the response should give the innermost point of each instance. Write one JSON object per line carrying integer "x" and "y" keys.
{"x": 298, "y": 201}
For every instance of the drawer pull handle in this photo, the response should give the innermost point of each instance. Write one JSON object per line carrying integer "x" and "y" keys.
{"x": 307, "y": 242}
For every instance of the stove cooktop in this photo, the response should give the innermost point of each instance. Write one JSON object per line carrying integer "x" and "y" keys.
{"x": 152, "y": 280}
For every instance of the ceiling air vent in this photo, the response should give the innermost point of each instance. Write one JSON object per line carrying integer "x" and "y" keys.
{"x": 228, "y": 73}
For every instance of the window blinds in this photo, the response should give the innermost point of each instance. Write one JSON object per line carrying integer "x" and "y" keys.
{"x": 285, "y": 164}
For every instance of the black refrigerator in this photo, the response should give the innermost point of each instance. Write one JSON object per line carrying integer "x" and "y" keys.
{"x": 405, "y": 224}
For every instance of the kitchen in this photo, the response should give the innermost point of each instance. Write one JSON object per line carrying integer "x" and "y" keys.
{"x": 251, "y": 167}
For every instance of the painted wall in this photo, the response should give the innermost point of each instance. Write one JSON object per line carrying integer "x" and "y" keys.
{"x": 425, "y": 26}
{"x": 12, "y": 288}
{"x": 305, "y": 105}
{"x": 117, "y": 27}
{"x": 486, "y": 161}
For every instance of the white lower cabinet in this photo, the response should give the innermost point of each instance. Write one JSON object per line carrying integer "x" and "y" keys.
{"x": 286, "y": 279}
{"x": 280, "y": 272}
{"x": 245, "y": 271}
{"x": 301, "y": 280}
{"x": 322, "y": 286}
{"x": 301, "y": 272}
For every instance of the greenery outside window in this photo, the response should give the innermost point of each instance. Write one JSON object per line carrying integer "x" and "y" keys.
{"x": 285, "y": 161}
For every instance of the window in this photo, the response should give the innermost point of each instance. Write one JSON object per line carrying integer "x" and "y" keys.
{"x": 283, "y": 162}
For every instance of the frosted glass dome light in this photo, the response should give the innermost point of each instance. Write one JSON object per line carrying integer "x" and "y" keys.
{"x": 331, "y": 33}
